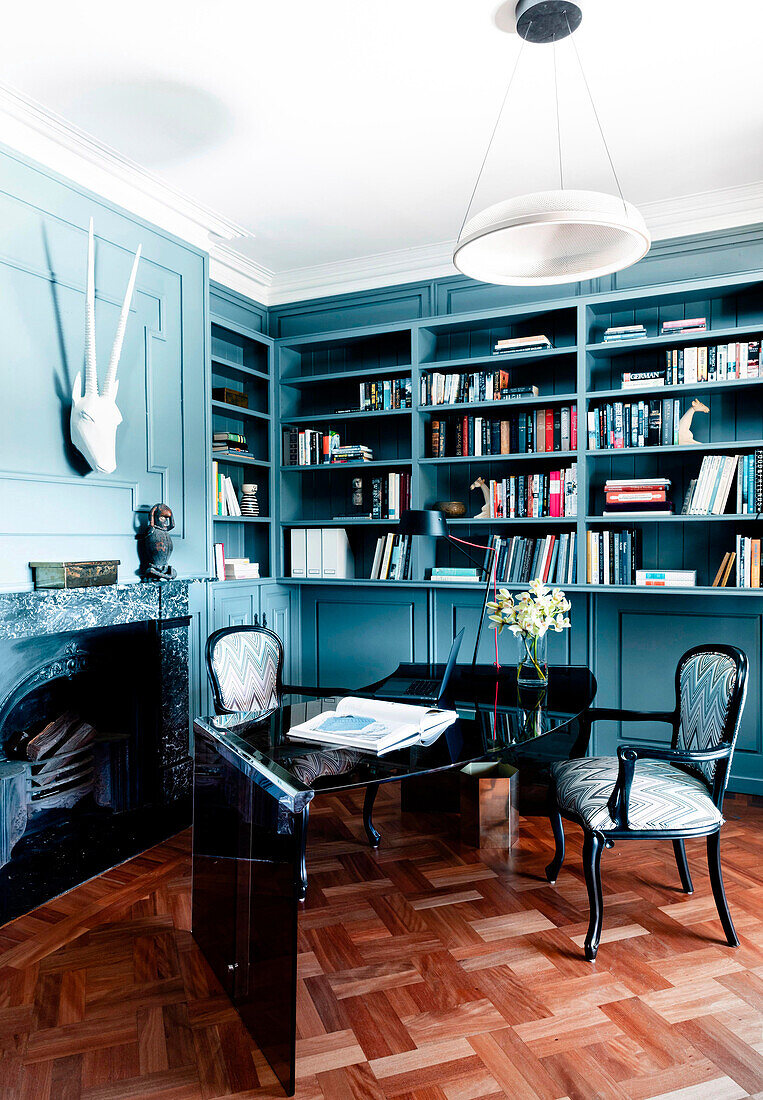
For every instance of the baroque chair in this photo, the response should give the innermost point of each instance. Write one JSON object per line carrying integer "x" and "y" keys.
{"x": 657, "y": 792}
{"x": 245, "y": 667}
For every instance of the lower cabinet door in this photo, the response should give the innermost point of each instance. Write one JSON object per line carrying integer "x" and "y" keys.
{"x": 237, "y": 605}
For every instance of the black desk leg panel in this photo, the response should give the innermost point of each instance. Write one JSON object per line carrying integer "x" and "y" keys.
{"x": 247, "y": 875}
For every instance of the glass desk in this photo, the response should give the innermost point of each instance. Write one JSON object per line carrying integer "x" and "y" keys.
{"x": 252, "y": 791}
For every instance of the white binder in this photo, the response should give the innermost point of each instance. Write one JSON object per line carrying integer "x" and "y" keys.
{"x": 337, "y": 557}
{"x": 298, "y": 552}
{"x": 314, "y": 554}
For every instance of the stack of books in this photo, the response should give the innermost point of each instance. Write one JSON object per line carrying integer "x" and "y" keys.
{"x": 747, "y": 562}
{"x": 666, "y": 578}
{"x": 455, "y": 574}
{"x": 225, "y": 499}
{"x": 652, "y": 422}
{"x": 688, "y": 324}
{"x": 624, "y": 332}
{"x": 612, "y": 557}
{"x": 457, "y": 389}
{"x": 538, "y": 431}
{"x": 351, "y": 452}
{"x": 638, "y": 497}
{"x": 709, "y": 492}
{"x": 549, "y": 495}
{"x": 520, "y": 560}
{"x": 241, "y": 569}
{"x": 750, "y": 483}
{"x": 521, "y": 343}
{"x": 392, "y": 558}
{"x": 230, "y": 443}
{"x": 386, "y": 393}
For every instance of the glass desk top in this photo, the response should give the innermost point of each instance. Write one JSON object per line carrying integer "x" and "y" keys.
{"x": 496, "y": 720}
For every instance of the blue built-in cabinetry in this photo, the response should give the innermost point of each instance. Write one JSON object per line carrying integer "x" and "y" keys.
{"x": 353, "y": 631}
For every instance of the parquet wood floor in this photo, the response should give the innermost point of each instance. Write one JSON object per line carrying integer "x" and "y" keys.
{"x": 428, "y": 972}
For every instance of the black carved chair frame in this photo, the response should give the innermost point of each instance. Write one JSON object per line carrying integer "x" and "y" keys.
{"x": 595, "y": 841}
{"x": 374, "y": 837}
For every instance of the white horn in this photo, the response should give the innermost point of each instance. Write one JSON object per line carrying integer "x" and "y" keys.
{"x": 91, "y": 375}
{"x": 116, "y": 351}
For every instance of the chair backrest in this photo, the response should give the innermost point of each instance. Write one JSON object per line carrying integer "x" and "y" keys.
{"x": 244, "y": 665}
{"x": 711, "y": 684}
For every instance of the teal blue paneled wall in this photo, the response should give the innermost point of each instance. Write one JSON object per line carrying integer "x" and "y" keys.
{"x": 630, "y": 641}
{"x": 51, "y": 507}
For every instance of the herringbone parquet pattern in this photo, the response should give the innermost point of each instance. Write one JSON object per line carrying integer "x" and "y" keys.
{"x": 428, "y": 972}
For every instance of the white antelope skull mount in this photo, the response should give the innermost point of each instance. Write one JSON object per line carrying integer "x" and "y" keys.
{"x": 95, "y": 416}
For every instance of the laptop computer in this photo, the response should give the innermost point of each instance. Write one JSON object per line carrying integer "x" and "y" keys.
{"x": 407, "y": 686}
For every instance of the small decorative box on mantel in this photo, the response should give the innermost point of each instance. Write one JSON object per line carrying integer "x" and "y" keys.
{"x": 73, "y": 574}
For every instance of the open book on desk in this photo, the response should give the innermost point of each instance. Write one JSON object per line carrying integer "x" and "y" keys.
{"x": 374, "y": 725}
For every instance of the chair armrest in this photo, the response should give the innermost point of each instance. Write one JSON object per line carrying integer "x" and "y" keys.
{"x": 627, "y": 755}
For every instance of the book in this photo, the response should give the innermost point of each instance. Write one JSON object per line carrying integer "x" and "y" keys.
{"x": 374, "y": 725}
{"x": 666, "y": 578}
{"x": 219, "y": 554}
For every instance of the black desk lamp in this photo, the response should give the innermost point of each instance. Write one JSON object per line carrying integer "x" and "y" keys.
{"x": 431, "y": 522}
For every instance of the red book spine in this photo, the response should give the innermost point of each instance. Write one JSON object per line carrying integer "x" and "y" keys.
{"x": 574, "y": 428}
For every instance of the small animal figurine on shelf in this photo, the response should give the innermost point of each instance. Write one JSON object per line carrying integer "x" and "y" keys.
{"x": 684, "y": 424}
{"x": 155, "y": 545}
{"x": 250, "y": 506}
{"x": 480, "y": 483}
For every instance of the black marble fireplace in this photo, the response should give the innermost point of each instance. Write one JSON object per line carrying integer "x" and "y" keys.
{"x": 94, "y": 738}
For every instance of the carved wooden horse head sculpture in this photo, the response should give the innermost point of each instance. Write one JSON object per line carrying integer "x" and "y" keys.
{"x": 95, "y": 417}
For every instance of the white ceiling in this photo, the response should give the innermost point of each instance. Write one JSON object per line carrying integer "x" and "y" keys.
{"x": 337, "y": 130}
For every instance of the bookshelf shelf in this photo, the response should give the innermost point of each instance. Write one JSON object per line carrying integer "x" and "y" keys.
{"x": 523, "y": 457}
{"x": 339, "y": 522}
{"x": 241, "y": 519}
{"x": 541, "y": 521}
{"x": 444, "y": 366}
{"x": 324, "y": 467}
{"x": 514, "y": 403}
{"x": 695, "y": 388}
{"x": 600, "y": 350}
{"x": 239, "y": 460}
{"x": 230, "y": 364}
{"x": 331, "y": 418}
{"x": 627, "y": 518}
{"x": 233, "y": 412}
{"x": 603, "y": 589}
{"x": 299, "y": 381}
{"x": 688, "y": 448}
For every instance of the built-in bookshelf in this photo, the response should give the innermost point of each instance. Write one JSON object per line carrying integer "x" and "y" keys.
{"x": 241, "y": 408}
{"x": 320, "y": 379}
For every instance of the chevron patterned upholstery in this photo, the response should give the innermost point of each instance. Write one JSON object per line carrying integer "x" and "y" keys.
{"x": 707, "y": 682}
{"x": 246, "y": 666}
{"x": 662, "y": 797}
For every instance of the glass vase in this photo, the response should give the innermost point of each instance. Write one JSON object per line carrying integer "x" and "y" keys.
{"x": 532, "y": 661}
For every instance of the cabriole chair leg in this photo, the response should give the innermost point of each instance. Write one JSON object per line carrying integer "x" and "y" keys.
{"x": 683, "y": 866}
{"x": 592, "y": 846}
{"x": 557, "y": 826}
{"x": 716, "y": 880}
{"x": 374, "y": 837}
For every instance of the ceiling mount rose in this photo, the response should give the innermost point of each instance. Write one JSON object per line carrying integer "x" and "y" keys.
{"x": 553, "y": 236}
{"x": 543, "y": 21}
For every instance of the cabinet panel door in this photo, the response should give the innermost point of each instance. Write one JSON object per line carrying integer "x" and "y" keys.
{"x": 237, "y": 607}
{"x": 276, "y": 614}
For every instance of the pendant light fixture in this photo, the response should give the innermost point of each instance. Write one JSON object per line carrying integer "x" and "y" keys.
{"x": 558, "y": 236}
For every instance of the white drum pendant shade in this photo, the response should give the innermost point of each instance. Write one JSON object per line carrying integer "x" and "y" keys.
{"x": 551, "y": 237}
